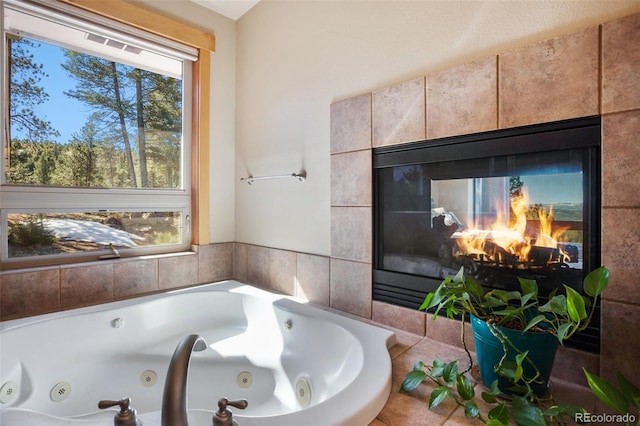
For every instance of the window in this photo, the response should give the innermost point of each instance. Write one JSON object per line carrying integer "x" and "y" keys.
{"x": 96, "y": 138}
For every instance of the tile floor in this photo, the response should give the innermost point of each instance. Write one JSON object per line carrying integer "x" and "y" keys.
{"x": 410, "y": 410}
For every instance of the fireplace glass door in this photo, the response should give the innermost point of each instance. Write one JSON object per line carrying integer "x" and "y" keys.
{"x": 517, "y": 203}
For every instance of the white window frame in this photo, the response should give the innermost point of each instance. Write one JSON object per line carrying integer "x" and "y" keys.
{"x": 45, "y": 199}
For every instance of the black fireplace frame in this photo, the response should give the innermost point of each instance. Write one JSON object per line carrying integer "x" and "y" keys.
{"x": 409, "y": 290}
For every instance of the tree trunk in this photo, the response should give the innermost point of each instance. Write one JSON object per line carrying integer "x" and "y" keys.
{"x": 123, "y": 127}
{"x": 142, "y": 146}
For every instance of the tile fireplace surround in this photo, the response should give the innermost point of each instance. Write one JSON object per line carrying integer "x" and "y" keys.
{"x": 589, "y": 72}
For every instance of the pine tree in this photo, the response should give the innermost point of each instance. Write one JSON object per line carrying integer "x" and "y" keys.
{"x": 101, "y": 84}
{"x": 25, "y": 91}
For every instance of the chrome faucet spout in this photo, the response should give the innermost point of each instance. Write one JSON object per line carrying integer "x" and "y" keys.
{"x": 174, "y": 398}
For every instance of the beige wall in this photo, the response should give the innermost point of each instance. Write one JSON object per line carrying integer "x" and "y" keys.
{"x": 295, "y": 58}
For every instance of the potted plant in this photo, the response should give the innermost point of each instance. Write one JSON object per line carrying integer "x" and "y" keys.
{"x": 507, "y": 322}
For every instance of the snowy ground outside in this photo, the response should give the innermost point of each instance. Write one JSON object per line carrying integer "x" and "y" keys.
{"x": 92, "y": 232}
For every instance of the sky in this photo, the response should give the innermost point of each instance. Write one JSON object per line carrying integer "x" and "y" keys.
{"x": 67, "y": 115}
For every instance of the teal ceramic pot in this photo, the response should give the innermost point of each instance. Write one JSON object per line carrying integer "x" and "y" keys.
{"x": 541, "y": 346}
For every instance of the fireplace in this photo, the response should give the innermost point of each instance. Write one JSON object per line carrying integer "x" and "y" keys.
{"x": 520, "y": 202}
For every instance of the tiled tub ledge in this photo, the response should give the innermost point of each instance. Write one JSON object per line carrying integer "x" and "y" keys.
{"x": 412, "y": 409}
{"x": 40, "y": 290}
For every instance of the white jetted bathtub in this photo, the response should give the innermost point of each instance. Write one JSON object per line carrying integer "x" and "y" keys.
{"x": 295, "y": 364}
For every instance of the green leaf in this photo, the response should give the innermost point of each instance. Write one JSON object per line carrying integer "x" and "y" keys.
{"x": 418, "y": 365}
{"x": 564, "y": 410}
{"x": 563, "y": 330}
{"x": 607, "y": 393}
{"x": 438, "y": 395}
{"x": 507, "y": 369}
{"x": 535, "y": 321}
{"x": 473, "y": 287}
{"x": 426, "y": 304}
{"x": 500, "y": 413}
{"x": 450, "y": 373}
{"x": 487, "y": 397}
{"x": 438, "y": 368}
{"x": 505, "y": 296}
{"x": 628, "y": 389}
{"x": 492, "y": 302}
{"x": 557, "y": 304}
{"x": 525, "y": 413}
{"x": 412, "y": 380}
{"x": 464, "y": 387}
{"x": 519, "y": 371}
{"x": 575, "y": 305}
{"x": 471, "y": 409}
{"x": 495, "y": 390}
{"x": 596, "y": 281}
{"x": 526, "y": 297}
{"x": 509, "y": 311}
{"x": 495, "y": 423}
{"x": 459, "y": 278}
{"x": 528, "y": 286}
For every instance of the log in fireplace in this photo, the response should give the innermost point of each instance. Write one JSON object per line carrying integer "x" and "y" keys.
{"x": 519, "y": 202}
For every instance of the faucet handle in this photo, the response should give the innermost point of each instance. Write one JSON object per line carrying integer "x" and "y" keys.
{"x": 240, "y": 403}
{"x": 223, "y": 417}
{"x": 126, "y": 416}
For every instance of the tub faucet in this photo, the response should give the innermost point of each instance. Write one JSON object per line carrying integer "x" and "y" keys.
{"x": 127, "y": 415}
{"x": 174, "y": 398}
{"x": 224, "y": 416}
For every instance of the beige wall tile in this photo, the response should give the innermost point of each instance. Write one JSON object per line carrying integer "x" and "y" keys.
{"x": 351, "y": 179}
{"x": 568, "y": 365}
{"x": 620, "y": 253}
{"x": 33, "y": 292}
{"x": 552, "y": 80}
{"x": 351, "y": 287}
{"x": 351, "y": 124}
{"x": 178, "y": 271}
{"x": 620, "y": 159}
{"x": 463, "y": 99}
{"x": 282, "y": 271}
{"x": 138, "y": 276}
{"x": 312, "y": 278}
{"x": 215, "y": 262}
{"x": 351, "y": 233}
{"x": 240, "y": 262}
{"x": 406, "y": 319}
{"x": 620, "y": 341}
{"x": 620, "y": 59}
{"x": 399, "y": 113}
{"x": 258, "y": 265}
{"x": 86, "y": 284}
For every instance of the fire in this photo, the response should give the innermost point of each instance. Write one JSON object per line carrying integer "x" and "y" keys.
{"x": 521, "y": 235}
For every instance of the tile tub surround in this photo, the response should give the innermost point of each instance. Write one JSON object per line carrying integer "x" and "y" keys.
{"x": 588, "y": 72}
{"x": 43, "y": 290}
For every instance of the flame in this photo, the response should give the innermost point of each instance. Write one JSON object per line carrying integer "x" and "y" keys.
{"x": 511, "y": 237}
